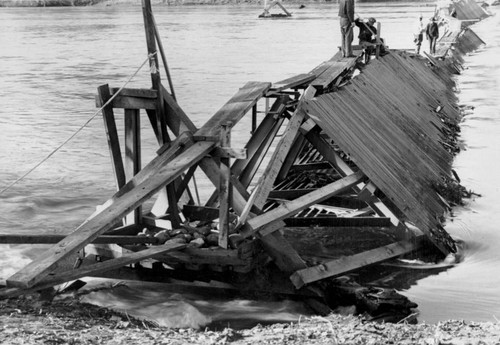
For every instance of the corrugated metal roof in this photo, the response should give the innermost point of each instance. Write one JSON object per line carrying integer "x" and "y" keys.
{"x": 384, "y": 118}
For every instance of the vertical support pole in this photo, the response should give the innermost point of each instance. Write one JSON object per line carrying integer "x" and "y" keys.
{"x": 149, "y": 26}
{"x": 155, "y": 72}
{"x": 224, "y": 187}
{"x": 254, "y": 118}
{"x": 379, "y": 42}
{"x": 133, "y": 154}
{"x": 112, "y": 136}
{"x": 163, "y": 57}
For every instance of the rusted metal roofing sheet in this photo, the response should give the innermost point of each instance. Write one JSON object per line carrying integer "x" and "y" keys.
{"x": 384, "y": 119}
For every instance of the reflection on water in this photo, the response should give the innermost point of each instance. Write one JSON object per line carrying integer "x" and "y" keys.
{"x": 53, "y": 59}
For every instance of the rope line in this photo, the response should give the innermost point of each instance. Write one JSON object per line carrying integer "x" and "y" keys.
{"x": 79, "y": 129}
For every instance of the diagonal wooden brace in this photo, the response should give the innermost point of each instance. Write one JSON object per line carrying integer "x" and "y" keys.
{"x": 49, "y": 261}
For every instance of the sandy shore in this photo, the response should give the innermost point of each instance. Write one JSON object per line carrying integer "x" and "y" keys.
{"x": 29, "y": 320}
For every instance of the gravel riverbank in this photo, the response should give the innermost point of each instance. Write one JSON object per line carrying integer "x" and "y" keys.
{"x": 28, "y": 320}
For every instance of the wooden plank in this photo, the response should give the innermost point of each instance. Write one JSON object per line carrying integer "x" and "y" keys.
{"x": 151, "y": 168}
{"x": 137, "y": 93}
{"x": 332, "y": 70}
{"x": 290, "y": 83}
{"x": 215, "y": 256}
{"x": 257, "y": 146}
{"x": 19, "y": 238}
{"x": 311, "y": 132}
{"x": 285, "y": 257}
{"x": 224, "y": 187}
{"x": 133, "y": 154}
{"x": 265, "y": 184}
{"x": 161, "y": 121}
{"x": 99, "y": 268}
{"x": 291, "y": 157}
{"x": 127, "y": 102}
{"x": 229, "y": 152}
{"x": 154, "y": 69}
{"x": 260, "y": 142}
{"x": 334, "y": 221}
{"x": 100, "y": 223}
{"x": 112, "y": 136}
{"x": 349, "y": 263}
{"x": 235, "y": 108}
{"x": 177, "y": 120}
{"x": 292, "y": 207}
{"x": 208, "y": 165}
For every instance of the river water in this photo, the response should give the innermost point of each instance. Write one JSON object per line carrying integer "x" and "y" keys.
{"x": 53, "y": 59}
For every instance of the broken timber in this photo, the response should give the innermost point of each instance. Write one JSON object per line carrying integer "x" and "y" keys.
{"x": 360, "y": 162}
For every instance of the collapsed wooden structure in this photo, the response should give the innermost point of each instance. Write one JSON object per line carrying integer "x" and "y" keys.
{"x": 267, "y": 10}
{"x": 349, "y": 166}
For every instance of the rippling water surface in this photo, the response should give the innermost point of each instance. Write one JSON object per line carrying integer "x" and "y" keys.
{"x": 53, "y": 59}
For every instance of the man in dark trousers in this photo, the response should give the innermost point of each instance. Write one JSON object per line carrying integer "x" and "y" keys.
{"x": 432, "y": 33}
{"x": 346, "y": 18}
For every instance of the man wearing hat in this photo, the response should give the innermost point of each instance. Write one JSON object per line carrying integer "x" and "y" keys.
{"x": 432, "y": 33}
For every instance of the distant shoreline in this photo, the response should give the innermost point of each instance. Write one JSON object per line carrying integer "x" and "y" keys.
{"x": 78, "y": 3}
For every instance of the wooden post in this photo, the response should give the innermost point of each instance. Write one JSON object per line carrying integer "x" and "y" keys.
{"x": 160, "y": 109}
{"x": 254, "y": 119}
{"x": 377, "y": 50}
{"x": 297, "y": 147}
{"x": 112, "y": 136}
{"x": 163, "y": 57}
{"x": 132, "y": 154}
{"x": 153, "y": 65}
{"x": 224, "y": 186}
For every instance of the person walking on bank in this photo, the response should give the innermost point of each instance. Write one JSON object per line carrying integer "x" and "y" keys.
{"x": 346, "y": 17}
{"x": 418, "y": 34}
{"x": 432, "y": 33}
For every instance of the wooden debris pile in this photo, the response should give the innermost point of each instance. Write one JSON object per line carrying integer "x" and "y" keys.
{"x": 350, "y": 181}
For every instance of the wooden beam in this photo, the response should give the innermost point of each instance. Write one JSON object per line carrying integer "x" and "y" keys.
{"x": 259, "y": 143}
{"x": 229, "y": 152}
{"x": 311, "y": 131}
{"x": 112, "y": 136}
{"x": 133, "y": 154}
{"x": 339, "y": 221}
{"x": 136, "y": 93}
{"x": 291, "y": 157}
{"x": 19, "y": 238}
{"x": 266, "y": 182}
{"x": 151, "y": 168}
{"x": 268, "y": 178}
{"x": 292, "y": 82}
{"x": 97, "y": 268}
{"x": 224, "y": 187}
{"x": 292, "y": 207}
{"x": 154, "y": 69}
{"x": 285, "y": 257}
{"x": 177, "y": 120}
{"x": 100, "y": 223}
{"x": 128, "y": 102}
{"x": 208, "y": 165}
{"x": 352, "y": 262}
{"x": 235, "y": 108}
